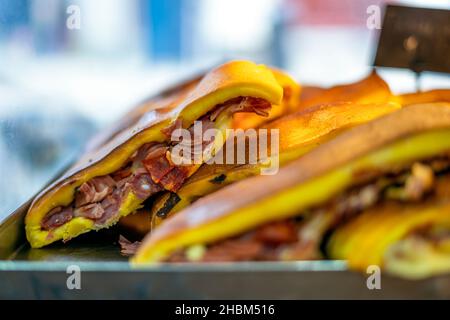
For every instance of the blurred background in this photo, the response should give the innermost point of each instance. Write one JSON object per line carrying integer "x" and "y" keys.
{"x": 70, "y": 67}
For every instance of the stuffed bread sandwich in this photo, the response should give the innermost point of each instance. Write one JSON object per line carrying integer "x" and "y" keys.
{"x": 315, "y": 120}
{"x": 371, "y": 188}
{"x": 298, "y": 133}
{"x": 114, "y": 180}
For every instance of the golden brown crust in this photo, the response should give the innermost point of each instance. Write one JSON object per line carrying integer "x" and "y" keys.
{"x": 437, "y": 95}
{"x": 372, "y": 89}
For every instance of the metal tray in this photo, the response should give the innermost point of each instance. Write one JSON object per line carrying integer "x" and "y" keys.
{"x": 27, "y": 273}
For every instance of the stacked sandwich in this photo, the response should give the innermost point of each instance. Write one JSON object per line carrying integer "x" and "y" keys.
{"x": 363, "y": 177}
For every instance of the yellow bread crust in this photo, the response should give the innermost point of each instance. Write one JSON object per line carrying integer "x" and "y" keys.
{"x": 365, "y": 240}
{"x": 290, "y": 103}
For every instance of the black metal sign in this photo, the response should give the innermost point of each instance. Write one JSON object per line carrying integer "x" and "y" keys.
{"x": 415, "y": 38}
